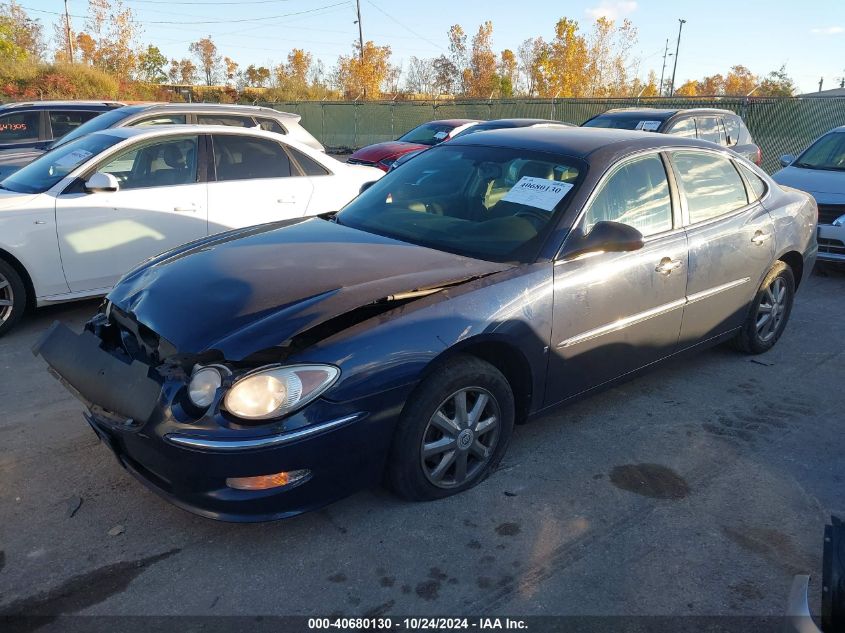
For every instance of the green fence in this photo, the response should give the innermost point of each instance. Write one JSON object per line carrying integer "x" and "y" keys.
{"x": 779, "y": 126}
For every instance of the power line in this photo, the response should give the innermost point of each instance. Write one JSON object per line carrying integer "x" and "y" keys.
{"x": 407, "y": 28}
{"x": 182, "y": 22}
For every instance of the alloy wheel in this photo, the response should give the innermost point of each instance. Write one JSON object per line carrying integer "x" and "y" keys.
{"x": 460, "y": 437}
{"x": 771, "y": 310}
{"x": 7, "y": 299}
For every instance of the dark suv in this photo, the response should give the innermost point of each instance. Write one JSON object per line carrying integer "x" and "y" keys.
{"x": 722, "y": 127}
{"x": 31, "y": 127}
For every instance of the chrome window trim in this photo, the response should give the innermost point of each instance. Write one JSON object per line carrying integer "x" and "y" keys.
{"x": 645, "y": 315}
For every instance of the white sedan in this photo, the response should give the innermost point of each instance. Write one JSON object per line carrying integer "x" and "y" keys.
{"x": 79, "y": 217}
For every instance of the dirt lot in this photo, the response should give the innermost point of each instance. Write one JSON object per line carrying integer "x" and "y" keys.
{"x": 743, "y": 458}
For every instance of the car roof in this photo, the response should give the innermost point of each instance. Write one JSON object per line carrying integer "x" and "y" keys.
{"x": 662, "y": 113}
{"x": 59, "y": 103}
{"x": 454, "y": 122}
{"x": 578, "y": 142}
{"x": 164, "y": 130}
{"x": 228, "y": 108}
{"x": 503, "y": 123}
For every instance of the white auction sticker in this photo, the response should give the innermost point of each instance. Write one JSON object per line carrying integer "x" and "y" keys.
{"x": 538, "y": 192}
{"x": 73, "y": 158}
{"x": 441, "y": 135}
{"x": 648, "y": 126}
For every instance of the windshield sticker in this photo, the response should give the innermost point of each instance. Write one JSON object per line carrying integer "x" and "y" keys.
{"x": 73, "y": 158}
{"x": 441, "y": 135}
{"x": 538, "y": 192}
{"x": 648, "y": 126}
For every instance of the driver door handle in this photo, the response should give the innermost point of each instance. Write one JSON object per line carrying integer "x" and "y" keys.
{"x": 666, "y": 265}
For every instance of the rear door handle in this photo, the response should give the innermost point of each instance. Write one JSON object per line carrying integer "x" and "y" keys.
{"x": 759, "y": 238}
{"x": 184, "y": 209}
{"x": 667, "y": 265}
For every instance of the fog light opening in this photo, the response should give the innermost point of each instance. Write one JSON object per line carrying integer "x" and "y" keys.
{"x": 267, "y": 482}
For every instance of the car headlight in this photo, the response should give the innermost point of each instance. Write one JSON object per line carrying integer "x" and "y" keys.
{"x": 273, "y": 391}
{"x": 204, "y": 384}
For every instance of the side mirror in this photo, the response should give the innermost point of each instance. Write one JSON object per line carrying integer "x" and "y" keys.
{"x": 366, "y": 186}
{"x": 787, "y": 159}
{"x": 101, "y": 182}
{"x": 607, "y": 237}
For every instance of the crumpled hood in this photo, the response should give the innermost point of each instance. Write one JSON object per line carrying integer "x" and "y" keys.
{"x": 380, "y": 151}
{"x": 828, "y": 185}
{"x": 252, "y": 289}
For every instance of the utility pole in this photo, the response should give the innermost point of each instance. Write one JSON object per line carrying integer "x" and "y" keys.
{"x": 677, "y": 48}
{"x": 360, "y": 44}
{"x": 821, "y": 83}
{"x": 666, "y": 54}
{"x": 67, "y": 31}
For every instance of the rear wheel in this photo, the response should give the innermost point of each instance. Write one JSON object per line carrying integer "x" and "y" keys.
{"x": 769, "y": 311}
{"x": 12, "y": 297}
{"x": 453, "y": 432}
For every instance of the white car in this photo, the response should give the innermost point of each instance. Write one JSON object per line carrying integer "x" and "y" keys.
{"x": 76, "y": 219}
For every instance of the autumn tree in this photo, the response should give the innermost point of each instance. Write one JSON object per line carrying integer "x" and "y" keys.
{"x": 458, "y": 57}
{"x": 86, "y": 48}
{"x": 182, "y": 71}
{"x": 687, "y": 89}
{"x": 778, "y": 83}
{"x": 151, "y": 65}
{"x": 110, "y": 38}
{"x": 356, "y": 78}
{"x": 740, "y": 81}
{"x": 205, "y": 52}
{"x": 445, "y": 75}
{"x": 20, "y": 36}
{"x": 533, "y": 56}
{"x": 294, "y": 77}
{"x": 420, "y": 78}
{"x": 256, "y": 76}
{"x": 480, "y": 77}
{"x": 230, "y": 67}
{"x": 508, "y": 73}
{"x": 609, "y": 48}
{"x": 567, "y": 60}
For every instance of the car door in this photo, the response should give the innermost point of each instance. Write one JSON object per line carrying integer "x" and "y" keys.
{"x": 21, "y": 130}
{"x": 253, "y": 183}
{"x": 730, "y": 238}
{"x": 161, "y": 203}
{"x": 617, "y": 312}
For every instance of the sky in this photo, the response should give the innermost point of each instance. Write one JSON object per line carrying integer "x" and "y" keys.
{"x": 808, "y": 37}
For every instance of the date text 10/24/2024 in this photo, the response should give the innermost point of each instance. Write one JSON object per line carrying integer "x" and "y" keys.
{"x": 417, "y": 624}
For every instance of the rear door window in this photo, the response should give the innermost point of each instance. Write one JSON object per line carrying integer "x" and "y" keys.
{"x": 711, "y": 184}
{"x": 308, "y": 165}
{"x": 231, "y": 120}
{"x": 757, "y": 185}
{"x": 732, "y": 128}
{"x": 64, "y": 121}
{"x": 245, "y": 158}
{"x": 17, "y": 127}
{"x": 271, "y": 125}
{"x": 710, "y": 129}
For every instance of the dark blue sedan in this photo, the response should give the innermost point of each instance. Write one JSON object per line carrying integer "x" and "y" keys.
{"x": 268, "y": 371}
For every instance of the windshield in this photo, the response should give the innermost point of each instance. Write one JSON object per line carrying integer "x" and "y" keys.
{"x": 428, "y": 133}
{"x": 100, "y": 122}
{"x": 490, "y": 203}
{"x": 50, "y": 168}
{"x": 826, "y": 153}
{"x": 625, "y": 122}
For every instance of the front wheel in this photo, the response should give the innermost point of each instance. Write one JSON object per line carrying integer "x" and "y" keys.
{"x": 12, "y": 297}
{"x": 769, "y": 311}
{"x": 453, "y": 431}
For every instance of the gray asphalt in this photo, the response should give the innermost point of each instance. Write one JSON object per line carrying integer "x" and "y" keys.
{"x": 742, "y": 462}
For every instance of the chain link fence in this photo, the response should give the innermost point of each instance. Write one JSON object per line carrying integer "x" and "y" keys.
{"x": 779, "y": 126}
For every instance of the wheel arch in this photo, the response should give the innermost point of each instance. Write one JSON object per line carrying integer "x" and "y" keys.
{"x": 795, "y": 261}
{"x": 15, "y": 263}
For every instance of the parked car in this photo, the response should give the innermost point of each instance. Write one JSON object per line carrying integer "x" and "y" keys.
{"x": 722, "y": 127}
{"x": 382, "y": 155}
{"x": 177, "y": 114}
{"x": 820, "y": 171}
{"x": 496, "y": 124}
{"x": 73, "y": 221}
{"x": 487, "y": 280}
{"x": 26, "y": 129}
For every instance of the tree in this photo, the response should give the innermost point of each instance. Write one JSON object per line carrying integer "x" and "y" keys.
{"x": 181, "y": 71}
{"x": 608, "y": 51}
{"x": 356, "y": 79}
{"x": 508, "y": 72}
{"x": 230, "y": 67}
{"x": 687, "y": 89}
{"x": 20, "y": 33}
{"x": 740, "y": 81}
{"x": 151, "y": 63}
{"x": 567, "y": 61}
{"x": 256, "y": 76}
{"x": 206, "y": 54}
{"x": 533, "y": 56}
{"x": 86, "y": 48}
{"x": 481, "y": 78}
{"x": 445, "y": 75}
{"x": 458, "y": 56}
{"x": 777, "y": 84}
{"x": 421, "y": 76}
{"x": 712, "y": 85}
{"x": 114, "y": 46}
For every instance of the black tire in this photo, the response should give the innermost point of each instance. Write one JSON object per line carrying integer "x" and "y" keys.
{"x": 408, "y": 472}
{"x": 749, "y": 339}
{"x": 11, "y": 288}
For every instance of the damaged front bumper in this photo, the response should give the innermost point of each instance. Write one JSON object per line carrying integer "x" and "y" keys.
{"x": 143, "y": 415}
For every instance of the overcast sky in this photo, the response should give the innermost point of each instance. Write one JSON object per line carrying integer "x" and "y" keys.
{"x": 809, "y": 36}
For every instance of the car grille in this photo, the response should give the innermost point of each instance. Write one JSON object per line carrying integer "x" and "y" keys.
{"x": 832, "y": 247}
{"x": 829, "y": 212}
{"x": 357, "y": 161}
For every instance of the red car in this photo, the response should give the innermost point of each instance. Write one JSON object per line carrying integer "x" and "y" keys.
{"x": 382, "y": 155}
